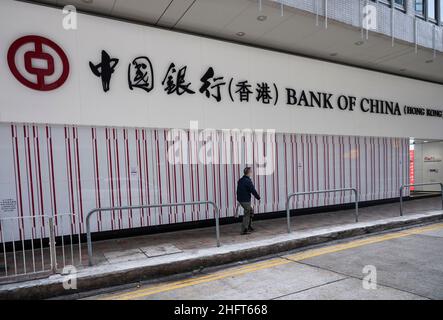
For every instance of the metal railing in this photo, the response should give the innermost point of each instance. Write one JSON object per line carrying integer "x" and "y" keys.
{"x": 23, "y": 255}
{"x": 28, "y": 245}
{"x": 68, "y": 250}
{"x": 288, "y": 216}
{"x": 419, "y": 185}
{"x": 88, "y": 226}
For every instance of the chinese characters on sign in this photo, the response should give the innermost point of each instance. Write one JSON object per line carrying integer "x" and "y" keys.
{"x": 141, "y": 76}
{"x": 41, "y": 64}
{"x": 212, "y": 84}
{"x": 174, "y": 81}
{"x": 104, "y": 69}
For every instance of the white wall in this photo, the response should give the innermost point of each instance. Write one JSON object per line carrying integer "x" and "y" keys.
{"x": 81, "y": 100}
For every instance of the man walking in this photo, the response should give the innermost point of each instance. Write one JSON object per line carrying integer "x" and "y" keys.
{"x": 245, "y": 188}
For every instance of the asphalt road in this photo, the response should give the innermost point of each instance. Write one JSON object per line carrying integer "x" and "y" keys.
{"x": 407, "y": 264}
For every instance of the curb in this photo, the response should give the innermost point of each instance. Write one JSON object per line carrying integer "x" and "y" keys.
{"x": 130, "y": 272}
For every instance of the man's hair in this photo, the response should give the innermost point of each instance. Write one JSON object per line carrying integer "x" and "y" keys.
{"x": 246, "y": 170}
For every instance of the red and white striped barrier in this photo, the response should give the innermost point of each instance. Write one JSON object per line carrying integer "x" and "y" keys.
{"x": 52, "y": 169}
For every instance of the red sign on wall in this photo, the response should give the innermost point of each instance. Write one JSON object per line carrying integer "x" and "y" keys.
{"x": 32, "y": 76}
{"x": 411, "y": 168}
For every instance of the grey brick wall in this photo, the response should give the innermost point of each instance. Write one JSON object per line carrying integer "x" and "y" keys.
{"x": 349, "y": 12}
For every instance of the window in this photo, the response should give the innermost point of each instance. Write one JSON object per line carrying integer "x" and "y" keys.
{"x": 384, "y": 1}
{"x": 400, "y": 3}
{"x": 431, "y": 10}
{"x": 420, "y": 7}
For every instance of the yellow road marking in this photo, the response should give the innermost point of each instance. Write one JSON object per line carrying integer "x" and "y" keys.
{"x": 358, "y": 243}
{"x": 236, "y": 271}
{"x": 203, "y": 279}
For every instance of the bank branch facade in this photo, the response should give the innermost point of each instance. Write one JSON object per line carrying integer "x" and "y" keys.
{"x": 118, "y": 114}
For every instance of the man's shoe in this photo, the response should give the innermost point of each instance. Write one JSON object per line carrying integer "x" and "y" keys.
{"x": 246, "y": 231}
{"x": 250, "y": 228}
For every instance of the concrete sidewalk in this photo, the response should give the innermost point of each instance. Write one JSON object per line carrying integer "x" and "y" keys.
{"x": 134, "y": 259}
{"x": 134, "y": 248}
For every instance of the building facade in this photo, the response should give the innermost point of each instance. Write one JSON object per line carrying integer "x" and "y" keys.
{"x": 116, "y": 113}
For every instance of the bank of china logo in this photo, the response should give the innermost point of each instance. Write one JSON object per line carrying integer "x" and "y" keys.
{"x": 369, "y": 21}
{"x": 38, "y": 63}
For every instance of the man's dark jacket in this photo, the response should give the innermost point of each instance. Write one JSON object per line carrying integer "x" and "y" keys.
{"x": 244, "y": 189}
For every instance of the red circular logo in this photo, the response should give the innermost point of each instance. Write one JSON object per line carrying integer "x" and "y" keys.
{"x": 39, "y": 73}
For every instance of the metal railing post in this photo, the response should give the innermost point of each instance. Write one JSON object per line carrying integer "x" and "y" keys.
{"x": 52, "y": 249}
{"x": 88, "y": 237}
{"x": 403, "y": 186}
{"x": 357, "y": 199}
{"x": 288, "y": 215}
{"x": 401, "y": 200}
{"x": 441, "y": 187}
{"x": 88, "y": 225}
{"x": 217, "y": 223}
